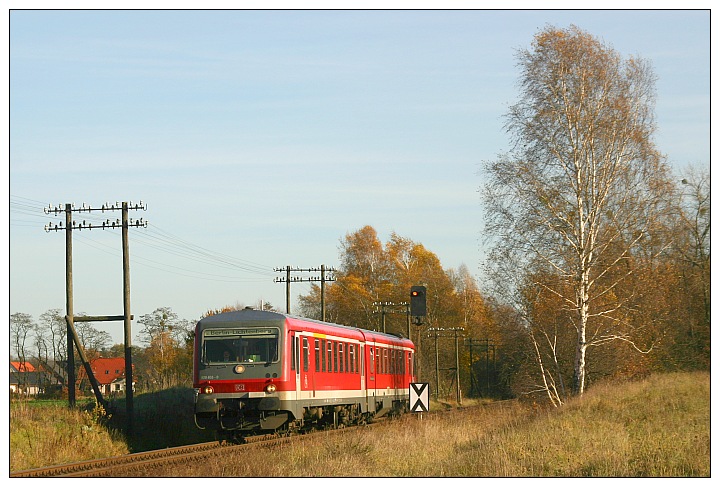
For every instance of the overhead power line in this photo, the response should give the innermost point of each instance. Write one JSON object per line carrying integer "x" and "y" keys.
{"x": 153, "y": 238}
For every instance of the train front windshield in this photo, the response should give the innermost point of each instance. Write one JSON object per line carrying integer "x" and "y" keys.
{"x": 241, "y": 345}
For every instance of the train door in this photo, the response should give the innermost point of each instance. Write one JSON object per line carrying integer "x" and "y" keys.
{"x": 295, "y": 345}
{"x": 371, "y": 374}
{"x": 305, "y": 373}
{"x": 362, "y": 367}
{"x": 397, "y": 359}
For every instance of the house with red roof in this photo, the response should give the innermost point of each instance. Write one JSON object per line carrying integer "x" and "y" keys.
{"x": 25, "y": 379}
{"x": 109, "y": 373}
{"x": 22, "y": 366}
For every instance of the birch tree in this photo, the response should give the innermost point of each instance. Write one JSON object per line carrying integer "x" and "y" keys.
{"x": 581, "y": 188}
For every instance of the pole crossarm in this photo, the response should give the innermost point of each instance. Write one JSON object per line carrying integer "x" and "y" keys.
{"x": 438, "y": 332}
{"x": 102, "y": 318}
{"x": 322, "y": 279}
{"x": 87, "y": 208}
{"x": 84, "y": 225}
{"x": 380, "y": 307}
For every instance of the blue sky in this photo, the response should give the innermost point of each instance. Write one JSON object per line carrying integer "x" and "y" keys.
{"x": 259, "y": 139}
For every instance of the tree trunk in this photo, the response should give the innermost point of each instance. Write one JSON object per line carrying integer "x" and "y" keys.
{"x": 581, "y": 346}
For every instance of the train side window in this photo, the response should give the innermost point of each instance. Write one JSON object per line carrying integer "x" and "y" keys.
{"x": 352, "y": 357}
{"x": 385, "y": 361}
{"x": 324, "y": 355}
{"x": 317, "y": 355}
{"x": 293, "y": 363}
{"x": 341, "y": 354}
{"x": 306, "y": 354}
{"x": 336, "y": 349}
{"x": 347, "y": 357}
{"x": 356, "y": 349}
{"x": 329, "y": 356}
{"x": 372, "y": 360}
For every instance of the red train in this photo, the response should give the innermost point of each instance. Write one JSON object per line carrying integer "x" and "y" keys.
{"x": 260, "y": 371}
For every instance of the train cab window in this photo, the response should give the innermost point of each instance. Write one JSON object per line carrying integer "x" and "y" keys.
{"x": 306, "y": 354}
{"x": 242, "y": 345}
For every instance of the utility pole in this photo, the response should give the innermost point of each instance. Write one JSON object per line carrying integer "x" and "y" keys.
{"x": 438, "y": 333}
{"x": 125, "y": 223}
{"x": 481, "y": 345}
{"x": 287, "y": 279}
{"x": 387, "y": 307}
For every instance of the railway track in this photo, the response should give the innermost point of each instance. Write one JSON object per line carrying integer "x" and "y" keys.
{"x": 127, "y": 465}
{"x": 135, "y": 464}
{"x": 107, "y": 466}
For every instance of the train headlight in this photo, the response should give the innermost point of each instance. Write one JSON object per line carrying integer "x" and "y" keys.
{"x": 270, "y": 388}
{"x": 207, "y": 389}
{"x": 239, "y": 369}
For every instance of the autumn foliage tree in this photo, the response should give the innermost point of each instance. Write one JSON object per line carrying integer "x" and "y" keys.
{"x": 579, "y": 198}
{"x": 168, "y": 355}
{"x": 371, "y": 272}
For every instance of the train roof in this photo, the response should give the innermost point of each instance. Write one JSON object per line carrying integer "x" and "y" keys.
{"x": 251, "y": 314}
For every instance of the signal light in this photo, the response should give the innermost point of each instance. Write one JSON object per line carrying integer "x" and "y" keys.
{"x": 417, "y": 301}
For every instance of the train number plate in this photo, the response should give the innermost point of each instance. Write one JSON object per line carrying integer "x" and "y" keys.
{"x": 239, "y": 387}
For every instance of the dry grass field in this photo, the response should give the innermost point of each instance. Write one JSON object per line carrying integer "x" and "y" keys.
{"x": 658, "y": 427}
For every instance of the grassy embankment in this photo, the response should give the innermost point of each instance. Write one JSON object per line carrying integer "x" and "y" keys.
{"x": 658, "y": 427}
{"x": 44, "y": 433}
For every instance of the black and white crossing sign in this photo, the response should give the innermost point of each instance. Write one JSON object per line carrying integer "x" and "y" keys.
{"x": 419, "y": 397}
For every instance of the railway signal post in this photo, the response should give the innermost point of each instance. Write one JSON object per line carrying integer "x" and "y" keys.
{"x": 418, "y": 309}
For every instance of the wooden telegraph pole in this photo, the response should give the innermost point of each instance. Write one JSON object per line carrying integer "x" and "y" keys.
{"x": 322, "y": 280}
{"x": 72, "y": 339}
